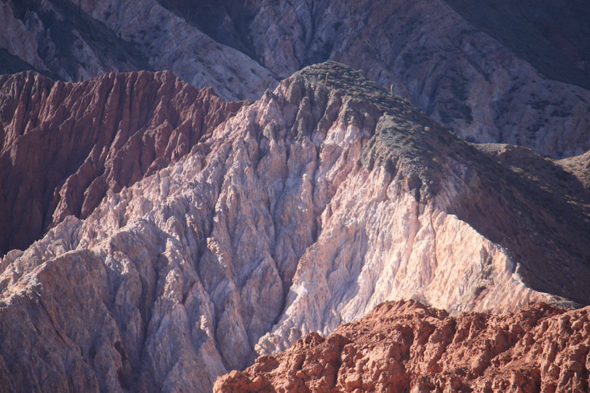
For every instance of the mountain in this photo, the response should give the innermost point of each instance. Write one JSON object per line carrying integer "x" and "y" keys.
{"x": 63, "y": 145}
{"x": 406, "y": 346}
{"x": 222, "y": 231}
{"x": 494, "y": 72}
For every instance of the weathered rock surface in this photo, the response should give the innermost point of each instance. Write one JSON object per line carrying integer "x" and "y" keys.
{"x": 406, "y": 346}
{"x": 448, "y": 67}
{"x": 303, "y": 211}
{"x": 63, "y": 145}
{"x": 444, "y": 65}
{"x": 78, "y": 40}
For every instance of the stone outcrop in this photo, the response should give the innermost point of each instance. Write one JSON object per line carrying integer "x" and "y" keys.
{"x": 447, "y": 66}
{"x": 406, "y": 346}
{"x": 63, "y": 145}
{"x": 303, "y": 211}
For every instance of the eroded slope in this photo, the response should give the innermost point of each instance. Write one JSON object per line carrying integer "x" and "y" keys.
{"x": 303, "y": 211}
{"x": 63, "y": 145}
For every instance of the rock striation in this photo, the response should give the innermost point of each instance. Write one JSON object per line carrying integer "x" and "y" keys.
{"x": 63, "y": 145}
{"x": 301, "y": 212}
{"x": 405, "y": 346}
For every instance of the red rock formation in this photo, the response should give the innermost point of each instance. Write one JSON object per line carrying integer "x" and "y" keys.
{"x": 406, "y": 346}
{"x": 63, "y": 145}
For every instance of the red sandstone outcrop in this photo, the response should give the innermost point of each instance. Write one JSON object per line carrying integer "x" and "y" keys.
{"x": 408, "y": 347}
{"x": 303, "y": 211}
{"x": 63, "y": 145}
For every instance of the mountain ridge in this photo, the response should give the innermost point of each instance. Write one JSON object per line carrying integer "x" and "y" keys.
{"x": 301, "y": 211}
{"x": 440, "y": 58}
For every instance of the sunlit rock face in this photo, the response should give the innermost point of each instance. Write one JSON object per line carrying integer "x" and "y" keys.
{"x": 406, "y": 346}
{"x": 302, "y": 211}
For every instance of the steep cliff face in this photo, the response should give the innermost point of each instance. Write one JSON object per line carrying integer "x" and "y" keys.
{"x": 406, "y": 346}
{"x": 443, "y": 59}
{"x": 63, "y": 145}
{"x": 303, "y": 211}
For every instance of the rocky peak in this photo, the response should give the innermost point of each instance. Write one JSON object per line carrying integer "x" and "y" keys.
{"x": 303, "y": 211}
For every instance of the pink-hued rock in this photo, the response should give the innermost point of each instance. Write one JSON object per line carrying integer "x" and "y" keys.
{"x": 63, "y": 145}
{"x": 406, "y": 346}
{"x": 303, "y": 211}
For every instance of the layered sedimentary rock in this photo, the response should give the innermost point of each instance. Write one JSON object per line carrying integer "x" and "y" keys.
{"x": 406, "y": 346}
{"x": 303, "y": 211}
{"x": 448, "y": 66}
{"x": 63, "y": 145}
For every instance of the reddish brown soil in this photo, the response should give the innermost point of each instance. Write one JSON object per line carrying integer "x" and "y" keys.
{"x": 409, "y": 347}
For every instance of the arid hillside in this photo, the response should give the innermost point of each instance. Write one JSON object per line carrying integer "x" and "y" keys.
{"x": 226, "y": 231}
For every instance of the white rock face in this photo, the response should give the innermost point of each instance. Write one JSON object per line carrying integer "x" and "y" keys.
{"x": 272, "y": 227}
{"x": 379, "y": 244}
